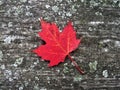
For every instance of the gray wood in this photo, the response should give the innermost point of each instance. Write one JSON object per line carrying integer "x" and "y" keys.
{"x": 98, "y": 54}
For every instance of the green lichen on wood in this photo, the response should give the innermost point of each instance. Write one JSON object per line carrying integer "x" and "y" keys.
{"x": 93, "y": 66}
{"x": 78, "y": 78}
{"x": 1, "y": 55}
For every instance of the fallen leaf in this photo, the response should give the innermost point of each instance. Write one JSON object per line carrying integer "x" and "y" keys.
{"x": 58, "y": 44}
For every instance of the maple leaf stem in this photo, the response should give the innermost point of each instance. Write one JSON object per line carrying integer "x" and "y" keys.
{"x": 76, "y": 65}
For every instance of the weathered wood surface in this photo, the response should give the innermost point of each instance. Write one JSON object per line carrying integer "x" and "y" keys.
{"x": 99, "y": 53}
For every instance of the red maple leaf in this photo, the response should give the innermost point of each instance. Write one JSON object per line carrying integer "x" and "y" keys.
{"x": 58, "y": 44}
